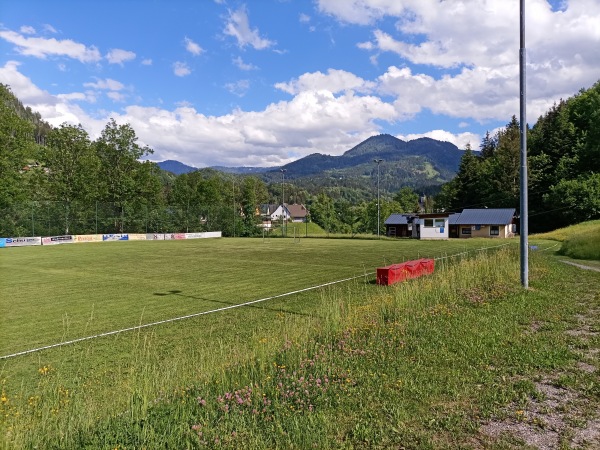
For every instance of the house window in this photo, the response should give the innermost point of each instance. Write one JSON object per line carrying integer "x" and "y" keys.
{"x": 465, "y": 230}
{"x": 430, "y": 223}
{"x": 494, "y": 230}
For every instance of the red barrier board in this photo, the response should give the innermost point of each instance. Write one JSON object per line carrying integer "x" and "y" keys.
{"x": 399, "y": 272}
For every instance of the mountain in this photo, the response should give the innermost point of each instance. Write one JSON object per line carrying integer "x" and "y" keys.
{"x": 440, "y": 157}
{"x": 243, "y": 170}
{"x": 423, "y": 164}
{"x": 179, "y": 168}
{"x": 175, "y": 167}
{"x": 419, "y": 163}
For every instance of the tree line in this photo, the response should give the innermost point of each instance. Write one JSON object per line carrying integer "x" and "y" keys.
{"x": 563, "y": 166}
{"x": 56, "y": 180}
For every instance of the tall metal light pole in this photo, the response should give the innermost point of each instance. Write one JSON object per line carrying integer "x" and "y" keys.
{"x": 377, "y": 161}
{"x": 233, "y": 195}
{"x": 524, "y": 238}
{"x": 283, "y": 171}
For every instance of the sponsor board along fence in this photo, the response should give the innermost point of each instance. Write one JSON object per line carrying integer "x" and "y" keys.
{"x": 74, "y": 239}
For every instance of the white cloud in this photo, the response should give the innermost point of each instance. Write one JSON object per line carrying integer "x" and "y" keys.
{"x": 480, "y": 39}
{"x": 147, "y": 62}
{"x": 460, "y": 140}
{"x": 238, "y": 88}
{"x": 239, "y": 62}
{"x": 334, "y": 81}
{"x": 304, "y": 18}
{"x": 471, "y": 45}
{"x": 115, "y": 96}
{"x": 27, "y": 29}
{"x": 73, "y": 96}
{"x": 192, "y": 47}
{"x": 108, "y": 84}
{"x": 42, "y": 48}
{"x": 181, "y": 69}
{"x": 119, "y": 56}
{"x": 238, "y": 26}
{"x": 50, "y": 29}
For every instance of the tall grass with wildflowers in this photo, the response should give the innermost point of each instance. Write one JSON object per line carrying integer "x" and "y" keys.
{"x": 563, "y": 234}
{"x": 584, "y": 245}
{"x": 415, "y": 365}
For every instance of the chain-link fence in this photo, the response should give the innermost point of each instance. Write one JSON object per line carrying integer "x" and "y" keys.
{"x": 51, "y": 218}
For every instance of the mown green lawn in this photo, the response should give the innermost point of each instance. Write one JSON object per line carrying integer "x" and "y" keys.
{"x": 58, "y": 293}
{"x": 421, "y": 365}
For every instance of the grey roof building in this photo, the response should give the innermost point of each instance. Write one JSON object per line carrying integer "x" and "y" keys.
{"x": 501, "y": 216}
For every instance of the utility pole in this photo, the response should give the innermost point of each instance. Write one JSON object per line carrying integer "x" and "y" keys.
{"x": 283, "y": 171}
{"x": 233, "y": 195}
{"x": 378, "y": 161}
{"x": 524, "y": 238}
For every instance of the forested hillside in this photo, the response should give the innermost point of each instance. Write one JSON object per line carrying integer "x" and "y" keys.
{"x": 563, "y": 162}
{"x": 57, "y": 180}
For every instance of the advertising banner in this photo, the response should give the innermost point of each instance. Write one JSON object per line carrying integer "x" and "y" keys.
{"x": 174, "y": 236}
{"x": 155, "y": 237}
{"x": 209, "y": 234}
{"x": 115, "y": 237}
{"x": 21, "y": 241}
{"x": 137, "y": 237}
{"x": 88, "y": 238}
{"x": 54, "y": 240}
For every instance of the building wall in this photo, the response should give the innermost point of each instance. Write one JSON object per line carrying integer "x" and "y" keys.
{"x": 435, "y": 232}
{"x": 504, "y": 231}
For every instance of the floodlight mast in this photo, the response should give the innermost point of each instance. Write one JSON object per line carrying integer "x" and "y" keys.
{"x": 524, "y": 231}
{"x": 283, "y": 171}
{"x": 378, "y": 161}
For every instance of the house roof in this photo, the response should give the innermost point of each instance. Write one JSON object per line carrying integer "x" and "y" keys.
{"x": 453, "y": 219}
{"x": 399, "y": 219}
{"x": 501, "y": 216}
{"x": 268, "y": 209}
{"x": 296, "y": 210}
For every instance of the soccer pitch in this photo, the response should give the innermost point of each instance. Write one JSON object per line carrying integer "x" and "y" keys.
{"x": 61, "y": 293}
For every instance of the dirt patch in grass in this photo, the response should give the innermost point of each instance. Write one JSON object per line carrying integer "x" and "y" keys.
{"x": 556, "y": 416}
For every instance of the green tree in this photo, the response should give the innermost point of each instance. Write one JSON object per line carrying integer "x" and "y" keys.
{"x": 488, "y": 146}
{"x": 466, "y": 189}
{"x": 72, "y": 168}
{"x": 408, "y": 200}
{"x": 119, "y": 154}
{"x": 585, "y": 115}
{"x": 17, "y": 148}
{"x": 322, "y": 212}
{"x": 253, "y": 193}
{"x": 576, "y": 200}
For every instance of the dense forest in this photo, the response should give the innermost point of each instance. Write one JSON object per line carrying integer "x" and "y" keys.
{"x": 56, "y": 180}
{"x": 563, "y": 149}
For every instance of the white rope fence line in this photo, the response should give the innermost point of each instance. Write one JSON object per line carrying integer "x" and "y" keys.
{"x": 471, "y": 251}
{"x": 189, "y": 316}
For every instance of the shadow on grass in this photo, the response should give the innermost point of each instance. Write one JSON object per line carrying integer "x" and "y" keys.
{"x": 276, "y": 310}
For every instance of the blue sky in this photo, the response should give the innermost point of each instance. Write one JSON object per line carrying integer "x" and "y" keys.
{"x": 265, "y": 82}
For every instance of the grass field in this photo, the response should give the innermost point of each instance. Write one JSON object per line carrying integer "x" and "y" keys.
{"x": 53, "y": 294}
{"x": 420, "y": 365}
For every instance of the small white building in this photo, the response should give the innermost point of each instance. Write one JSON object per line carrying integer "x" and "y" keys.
{"x": 431, "y": 226}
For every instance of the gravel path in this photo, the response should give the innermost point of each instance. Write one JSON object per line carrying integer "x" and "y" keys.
{"x": 581, "y": 266}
